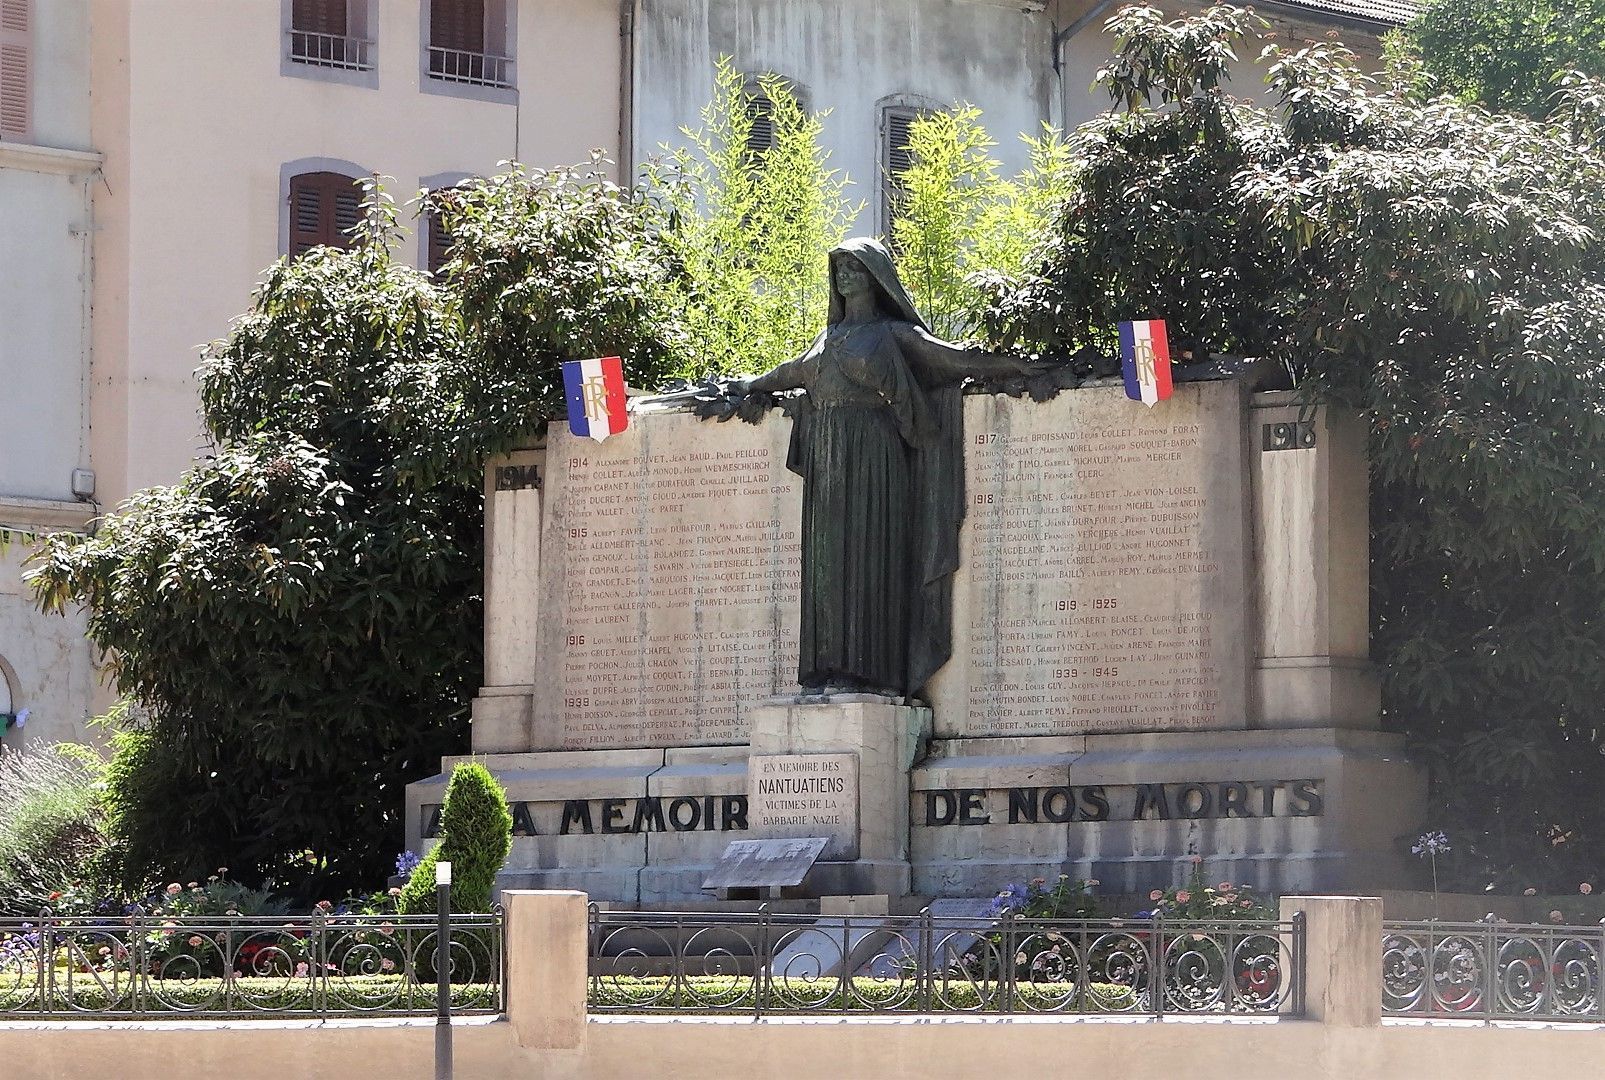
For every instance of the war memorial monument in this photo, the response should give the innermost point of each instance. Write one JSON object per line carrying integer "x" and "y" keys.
{"x": 964, "y": 638}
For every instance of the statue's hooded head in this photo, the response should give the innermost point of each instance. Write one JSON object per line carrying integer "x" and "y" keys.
{"x": 891, "y": 298}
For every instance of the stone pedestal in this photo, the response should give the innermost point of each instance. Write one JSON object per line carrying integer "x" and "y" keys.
{"x": 1293, "y": 810}
{"x": 887, "y": 739}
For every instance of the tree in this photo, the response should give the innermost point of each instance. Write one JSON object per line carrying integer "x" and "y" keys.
{"x": 749, "y": 223}
{"x": 1441, "y": 269}
{"x": 1505, "y": 54}
{"x": 963, "y": 231}
{"x": 299, "y": 617}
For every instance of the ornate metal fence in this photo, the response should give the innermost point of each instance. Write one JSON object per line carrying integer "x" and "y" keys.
{"x": 293, "y": 966}
{"x": 1492, "y": 971}
{"x": 768, "y": 963}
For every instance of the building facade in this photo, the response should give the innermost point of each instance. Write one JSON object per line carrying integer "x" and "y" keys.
{"x": 157, "y": 155}
{"x": 874, "y": 67}
{"x": 48, "y": 175}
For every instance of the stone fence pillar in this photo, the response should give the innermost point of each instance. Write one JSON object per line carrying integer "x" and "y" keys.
{"x": 546, "y": 954}
{"x": 1342, "y": 958}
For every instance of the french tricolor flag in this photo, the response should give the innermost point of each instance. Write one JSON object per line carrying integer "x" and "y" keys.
{"x": 1145, "y": 360}
{"x": 595, "y": 393}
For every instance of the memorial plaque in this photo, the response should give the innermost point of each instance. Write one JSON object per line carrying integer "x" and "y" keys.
{"x": 805, "y": 795}
{"x": 765, "y": 864}
{"x": 1104, "y": 579}
{"x": 669, "y": 583}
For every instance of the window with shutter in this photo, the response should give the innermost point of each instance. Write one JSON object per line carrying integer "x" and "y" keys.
{"x": 324, "y": 208}
{"x": 896, "y": 157}
{"x": 439, "y": 242}
{"x": 16, "y": 74}
{"x": 761, "y": 136}
{"x": 331, "y": 34}
{"x": 469, "y": 42}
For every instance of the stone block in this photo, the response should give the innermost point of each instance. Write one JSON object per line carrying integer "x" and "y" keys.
{"x": 886, "y": 740}
{"x": 1284, "y": 810}
{"x": 1104, "y": 575}
{"x": 499, "y": 720}
{"x": 1318, "y": 691}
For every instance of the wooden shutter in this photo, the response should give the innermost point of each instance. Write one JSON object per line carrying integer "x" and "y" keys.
{"x": 319, "y": 16}
{"x": 761, "y": 112}
{"x": 457, "y": 24}
{"x": 16, "y": 64}
{"x": 324, "y": 207}
{"x": 896, "y": 158}
{"x": 439, "y": 241}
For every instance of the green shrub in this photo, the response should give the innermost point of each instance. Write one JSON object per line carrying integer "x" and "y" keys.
{"x": 719, "y": 993}
{"x": 53, "y": 842}
{"x": 248, "y": 995}
{"x": 476, "y": 835}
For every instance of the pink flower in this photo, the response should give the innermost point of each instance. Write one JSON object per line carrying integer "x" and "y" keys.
{"x": 1555, "y": 916}
{"x": 387, "y": 965}
{"x": 194, "y": 941}
{"x": 1183, "y": 896}
{"x": 1245, "y": 903}
{"x": 1197, "y": 859}
{"x": 1157, "y": 894}
{"x": 1224, "y": 886}
{"x": 301, "y": 970}
{"x": 1585, "y": 888}
{"x": 174, "y": 889}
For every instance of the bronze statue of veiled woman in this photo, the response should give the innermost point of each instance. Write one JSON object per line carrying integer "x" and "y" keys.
{"x": 878, "y": 441}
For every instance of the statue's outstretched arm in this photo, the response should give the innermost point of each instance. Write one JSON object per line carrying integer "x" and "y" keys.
{"x": 936, "y": 362}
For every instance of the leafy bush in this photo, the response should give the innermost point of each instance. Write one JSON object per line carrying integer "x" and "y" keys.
{"x": 298, "y": 616}
{"x": 1441, "y": 270}
{"x": 1198, "y": 900}
{"x": 962, "y": 232}
{"x": 749, "y": 231}
{"x": 476, "y": 833}
{"x": 545, "y": 266}
{"x": 1505, "y": 54}
{"x": 53, "y": 844}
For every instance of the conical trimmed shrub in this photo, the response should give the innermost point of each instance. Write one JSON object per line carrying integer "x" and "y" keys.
{"x": 476, "y": 835}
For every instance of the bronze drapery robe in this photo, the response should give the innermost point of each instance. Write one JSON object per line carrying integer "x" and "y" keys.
{"x": 877, "y": 440}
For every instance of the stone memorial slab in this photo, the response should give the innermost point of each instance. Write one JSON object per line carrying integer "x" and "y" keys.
{"x": 1104, "y": 582}
{"x": 765, "y": 864}
{"x": 669, "y": 583}
{"x": 792, "y": 795}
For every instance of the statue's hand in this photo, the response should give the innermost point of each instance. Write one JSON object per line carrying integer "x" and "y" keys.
{"x": 751, "y": 407}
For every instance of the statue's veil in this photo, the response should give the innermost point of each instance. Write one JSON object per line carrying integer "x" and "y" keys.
{"x": 872, "y": 255}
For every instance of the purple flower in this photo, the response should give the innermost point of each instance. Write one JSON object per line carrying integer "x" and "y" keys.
{"x": 1431, "y": 843}
{"x": 407, "y": 862}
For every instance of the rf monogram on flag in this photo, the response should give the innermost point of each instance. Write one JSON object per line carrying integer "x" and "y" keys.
{"x": 595, "y": 393}
{"x": 1145, "y": 360}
